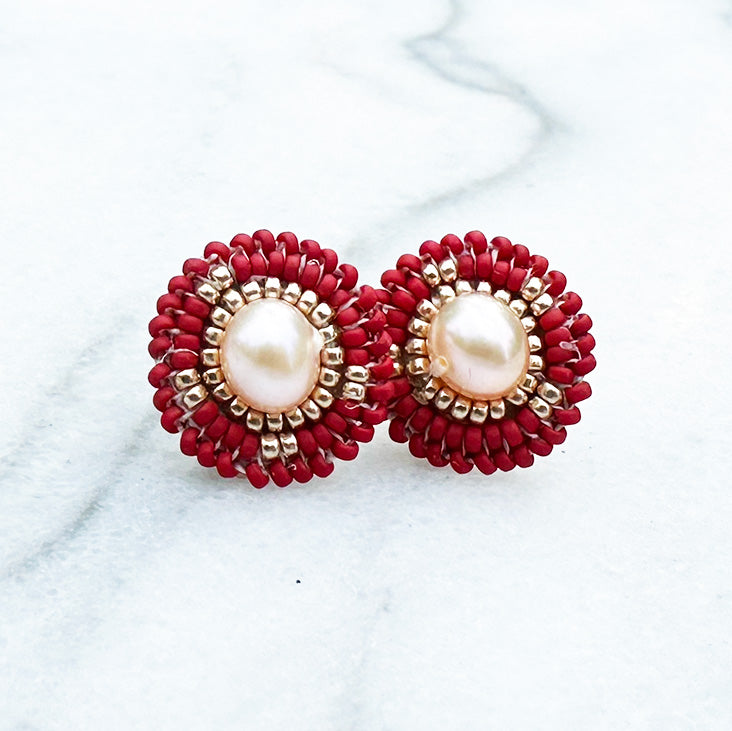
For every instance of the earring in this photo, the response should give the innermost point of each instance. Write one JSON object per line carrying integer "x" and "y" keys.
{"x": 269, "y": 361}
{"x": 490, "y": 351}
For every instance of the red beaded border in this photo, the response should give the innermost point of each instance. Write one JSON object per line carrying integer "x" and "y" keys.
{"x": 566, "y": 351}
{"x": 212, "y": 434}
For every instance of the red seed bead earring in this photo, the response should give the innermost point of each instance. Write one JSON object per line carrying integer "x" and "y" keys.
{"x": 490, "y": 353}
{"x": 268, "y": 360}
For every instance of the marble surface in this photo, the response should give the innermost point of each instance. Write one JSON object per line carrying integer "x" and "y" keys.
{"x": 139, "y": 591}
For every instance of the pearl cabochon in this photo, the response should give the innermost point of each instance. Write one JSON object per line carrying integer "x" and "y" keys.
{"x": 478, "y": 346}
{"x": 270, "y": 355}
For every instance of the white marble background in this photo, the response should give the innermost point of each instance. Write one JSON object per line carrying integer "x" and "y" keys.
{"x": 139, "y": 591}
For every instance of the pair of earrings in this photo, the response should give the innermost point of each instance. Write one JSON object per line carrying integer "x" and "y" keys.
{"x": 270, "y": 362}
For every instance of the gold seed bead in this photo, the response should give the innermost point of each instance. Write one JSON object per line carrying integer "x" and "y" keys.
{"x": 186, "y": 378}
{"x": 529, "y": 383}
{"x": 213, "y": 377}
{"x": 331, "y": 356}
{"x": 255, "y": 420}
{"x": 395, "y": 352}
{"x": 251, "y": 291}
{"x": 444, "y": 294}
{"x": 431, "y": 387}
{"x": 529, "y": 323}
{"x": 479, "y": 412}
{"x": 270, "y": 446}
{"x": 497, "y": 409}
{"x": 274, "y": 422}
{"x": 289, "y": 444}
{"x": 213, "y": 335}
{"x": 322, "y": 397}
{"x": 210, "y": 357}
{"x": 272, "y": 287}
{"x": 426, "y": 310}
{"x": 541, "y": 304}
{"x": 310, "y": 409}
{"x": 518, "y": 307}
{"x": 463, "y": 287}
{"x": 549, "y": 392}
{"x": 416, "y": 346}
{"x": 540, "y": 407}
{"x": 517, "y": 397}
{"x": 484, "y": 288}
{"x": 448, "y": 270}
{"x": 532, "y": 289}
{"x": 221, "y": 277}
{"x": 321, "y": 315}
{"x": 238, "y": 407}
{"x": 328, "y": 377}
{"x": 536, "y": 363}
{"x": 194, "y": 396}
{"x": 220, "y": 317}
{"x": 295, "y": 418}
{"x": 308, "y": 300}
{"x": 354, "y": 391}
{"x": 418, "y": 327}
{"x": 206, "y": 291}
{"x": 418, "y": 366}
{"x": 232, "y": 300}
{"x": 534, "y": 343}
{"x": 430, "y": 274}
{"x": 461, "y": 407}
{"x": 329, "y": 334}
{"x": 292, "y": 293}
{"x": 503, "y": 296}
{"x": 444, "y": 398}
{"x": 222, "y": 392}
{"x": 357, "y": 373}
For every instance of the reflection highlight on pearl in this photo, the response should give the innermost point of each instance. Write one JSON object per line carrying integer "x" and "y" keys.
{"x": 478, "y": 346}
{"x": 270, "y": 355}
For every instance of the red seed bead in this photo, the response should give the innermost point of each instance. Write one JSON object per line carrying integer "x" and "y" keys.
{"x": 420, "y": 418}
{"x": 381, "y": 345}
{"x": 466, "y": 266}
{"x": 437, "y": 428}
{"x": 347, "y": 317}
{"x": 540, "y": 447}
{"x": 553, "y": 436}
{"x": 256, "y": 476}
{"x": 276, "y": 264}
{"x": 168, "y": 302}
{"x": 169, "y": 418}
{"x": 345, "y": 450}
{"x": 484, "y": 266}
{"x": 160, "y": 324}
{"x": 242, "y": 267}
{"x": 393, "y": 278}
{"x": 259, "y": 264}
{"x": 306, "y": 442}
{"x": 585, "y": 344}
{"x": 264, "y": 238}
{"x": 244, "y": 241}
{"x": 330, "y": 260}
{"x": 578, "y": 392}
{"x": 454, "y": 436}
{"x": 367, "y": 298}
{"x": 477, "y": 240}
{"x": 189, "y": 442}
{"x": 217, "y": 428}
{"x": 557, "y": 335}
{"x": 375, "y": 414}
{"x": 571, "y": 304}
{"x": 310, "y": 275}
{"x": 322, "y": 436}
{"x": 557, "y": 283}
{"x": 190, "y": 324}
{"x": 511, "y": 432}
{"x": 404, "y": 301}
{"x": 397, "y": 335}
{"x": 504, "y": 246}
{"x": 500, "y": 273}
{"x": 557, "y": 355}
{"x": 361, "y": 433}
{"x": 289, "y": 241}
{"x": 432, "y": 249}
{"x": 162, "y": 397}
{"x": 292, "y": 267}
{"x": 234, "y": 435}
{"x": 585, "y": 365}
{"x": 376, "y": 322}
{"x": 196, "y": 307}
{"x": 418, "y": 288}
{"x": 180, "y": 360}
{"x": 216, "y": 248}
{"x": 552, "y": 319}
{"x": 484, "y": 463}
{"x": 206, "y": 454}
{"x": 528, "y": 420}
{"x": 435, "y": 456}
{"x": 560, "y": 374}
{"x": 224, "y": 465}
{"x": 516, "y": 279}
{"x": 335, "y": 422}
{"x": 406, "y": 405}
{"x": 320, "y": 466}
{"x": 383, "y": 369}
{"x": 356, "y": 356}
{"x": 581, "y": 325}
{"x": 493, "y": 437}
{"x": 417, "y": 446}
{"x": 206, "y": 413}
{"x": 398, "y": 431}
{"x": 159, "y": 346}
{"x": 196, "y": 266}
{"x": 310, "y": 248}
{"x": 350, "y": 276}
{"x": 158, "y": 375}
{"x": 327, "y": 285}
{"x": 567, "y": 417}
{"x": 300, "y": 470}
{"x": 453, "y": 243}
{"x": 473, "y": 439}
{"x": 187, "y": 341}
{"x": 458, "y": 463}
{"x": 180, "y": 284}
{"x": 354, "y": 337}
{"x": 381, "y": 392}
{"x": 502, "y": 460}
{"x": 397, "y": 318}
{"x": 249, "y": 446}
{"x": 539, "y": 265}
{"x": 280, "y": 476}
{"x": 409, "y": 261}
{"x": 401, "y": 386}
{"x": 521, "y": 256}
{"x": 522, "y": 456}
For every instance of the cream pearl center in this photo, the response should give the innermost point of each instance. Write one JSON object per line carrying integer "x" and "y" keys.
{"x": 270, "y": 355}
{"x": 478, "y": 346}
